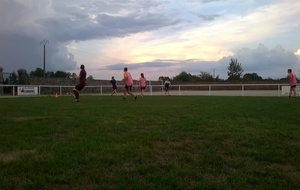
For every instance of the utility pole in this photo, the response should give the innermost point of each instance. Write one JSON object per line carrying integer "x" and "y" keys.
{"x": 44, "y": 42}
{"x": 214, "y": 72}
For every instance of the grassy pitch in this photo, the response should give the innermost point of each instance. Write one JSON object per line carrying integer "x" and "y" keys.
{"x": 156, "y": 142}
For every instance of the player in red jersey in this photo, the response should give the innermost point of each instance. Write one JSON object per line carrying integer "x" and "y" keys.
{"x": 82, "y": 83}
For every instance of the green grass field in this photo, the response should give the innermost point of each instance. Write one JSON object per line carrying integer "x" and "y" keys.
{"x": 152, "y": 143}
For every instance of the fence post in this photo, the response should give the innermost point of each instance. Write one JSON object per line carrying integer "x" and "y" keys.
{"x": 13, "y": 89}
{"x": 60, "y": 92}
{"x": 278, "y": 89}
{"x": 150, "y": 87}
{"x": 209, "y": 90}
{"x": 243, "y": 92}
{"x": 101, "y": 90}
{"x": 1, "y": 80}
{"x": 179, "y": 90}
{"x": 39, "y": 90}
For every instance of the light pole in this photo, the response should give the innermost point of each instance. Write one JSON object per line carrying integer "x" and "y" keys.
{"x": 44, "y": 42}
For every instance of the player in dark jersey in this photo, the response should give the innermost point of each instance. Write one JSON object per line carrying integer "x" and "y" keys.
{"x": 114, "y": 85}
{"x": 82, "y": 83}
{"x": 167, "y": 86}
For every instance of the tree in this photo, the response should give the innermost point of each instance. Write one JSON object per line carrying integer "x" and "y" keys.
{"x": 49, "y": 74}
{"x": 60, "y": 74}
{"x": 73, "y": 76}
{"x": 252, "y": 77}
{"x": 37, "y": 73}
{"x": 162, "y": 78}
{"x": 13, "y": 78}
{"x": 235, "y": 70}
{"x": 90, "y": 77}
{"x": 205, "y": 76}
{"x": 183, "y": 77}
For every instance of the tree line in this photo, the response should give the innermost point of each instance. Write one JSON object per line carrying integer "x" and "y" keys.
{"x": 39, "y": 73}
{"x": 234, "y": 73}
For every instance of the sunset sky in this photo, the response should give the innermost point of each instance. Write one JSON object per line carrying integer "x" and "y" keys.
{"x": 156, "y": 37}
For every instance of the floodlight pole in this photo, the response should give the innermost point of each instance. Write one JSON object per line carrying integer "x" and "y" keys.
{"x": 44, "y": 42}
{"x": 214, "y": 73}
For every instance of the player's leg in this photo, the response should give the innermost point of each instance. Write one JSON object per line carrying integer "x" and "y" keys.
{"x": 130, "y": 92}
{"x": 125, "y": 91}
{"x": 113, "y": 92}
{"x": 294, "y": 91}
{"x": 76, "y": 93}
{"x": 76, "y": 90}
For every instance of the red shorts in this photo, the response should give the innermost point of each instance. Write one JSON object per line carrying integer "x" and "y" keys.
{"x": 80, "y": 86}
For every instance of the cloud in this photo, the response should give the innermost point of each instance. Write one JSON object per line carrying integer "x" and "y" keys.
{"x": 268, "y": 62}
{"x": 24, "y": 52}
{"x": 297, "y": 52}
{"x": 208, "y": 17}
{"x": 265, "y": 62}
{"x": 103, "y": 26}
{"x": 20, "y": 37}
{"x": 208, "y": 42}
{"x": 24, "y": 25}
{"x": 204, "y": 1}
{"x": 154, "y": 63}
{"x": 160, "y": 37}
{"x": 208, "y": 1}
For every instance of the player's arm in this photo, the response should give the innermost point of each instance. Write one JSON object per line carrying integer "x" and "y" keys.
{"x": 125, "y": 77}
{"x": 290, "y": 77}
{"x": 79, "y": 76}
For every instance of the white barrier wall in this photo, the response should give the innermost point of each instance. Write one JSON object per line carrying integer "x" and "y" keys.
{"x": 285, "y": 90}
{"x": 27, "y": 91}
{"x": 181, "y": 90}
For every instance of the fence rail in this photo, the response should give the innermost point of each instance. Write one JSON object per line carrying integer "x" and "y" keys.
{"x": 180, "y": 90}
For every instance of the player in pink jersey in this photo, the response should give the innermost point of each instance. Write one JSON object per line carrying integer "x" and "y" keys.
{"x": 128, "y": 83}
{"x": 142, "y": 83}
{"x": 293, "y": 83}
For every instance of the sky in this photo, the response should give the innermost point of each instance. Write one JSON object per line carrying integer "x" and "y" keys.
{"x": 154, "y": 37}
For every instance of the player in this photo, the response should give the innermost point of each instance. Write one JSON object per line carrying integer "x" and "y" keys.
{"x": 167, "y": 86}
{"x": 128, "y": 84}
{"x": 114, "y": 85}
{"x": 142, "y": 83}
{"x": 82, "y": 83}
{"x": 293, "y": 83}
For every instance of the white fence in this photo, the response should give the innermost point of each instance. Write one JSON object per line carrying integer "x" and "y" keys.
{"x": 179, "y": 90}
